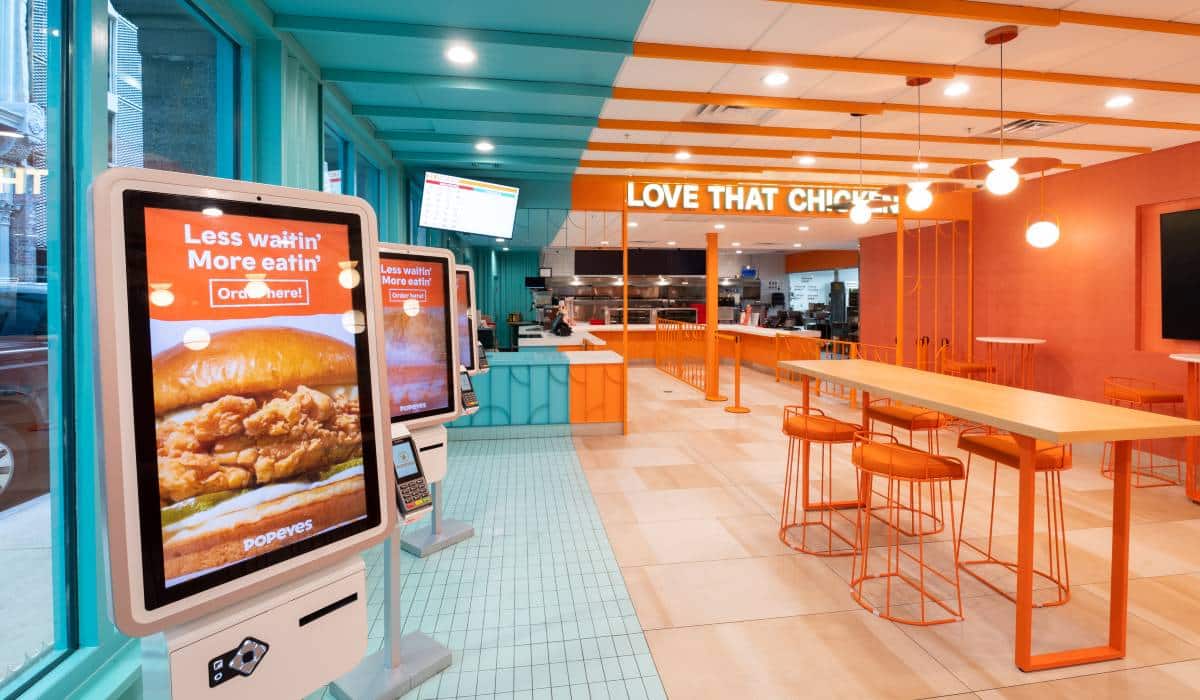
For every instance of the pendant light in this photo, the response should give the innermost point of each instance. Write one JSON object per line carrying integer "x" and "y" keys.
{"x": 860, "y": 213}
{"x": 1003, "y": 179}
{"x": 919, "y": 198}
{"x": 1042, "y": 233}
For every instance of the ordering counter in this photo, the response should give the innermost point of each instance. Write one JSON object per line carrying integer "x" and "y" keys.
{"x": 560, "y": 393}
{"x": 758, "y": 344}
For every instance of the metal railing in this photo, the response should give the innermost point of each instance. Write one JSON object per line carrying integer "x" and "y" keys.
{"x": 679, "y": 351}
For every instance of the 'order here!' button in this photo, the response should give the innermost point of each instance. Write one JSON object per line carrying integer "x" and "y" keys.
{"x": 225, "y": 293}
{"x": 405, "y": 294}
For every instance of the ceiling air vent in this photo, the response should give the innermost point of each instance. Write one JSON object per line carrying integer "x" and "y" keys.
{"x": 731, "y": 114}
{"x": 1032, "y": 129}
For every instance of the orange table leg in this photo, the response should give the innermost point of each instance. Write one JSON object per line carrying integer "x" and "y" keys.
{"x": 1118, "y": 609}
{"x": 1192, "y": 399}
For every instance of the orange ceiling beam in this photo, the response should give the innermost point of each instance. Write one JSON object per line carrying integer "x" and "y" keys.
{"x": 1009, "y": 14}
{"x": 841, "y": 64}
{"x": 626, "y": 147}
{"x": 873, "y": 108}
{"x": 721, "y": 167}
{"x": 802, "y": 133}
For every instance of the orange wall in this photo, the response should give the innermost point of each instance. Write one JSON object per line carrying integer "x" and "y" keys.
{"x": 1082, "y": 294}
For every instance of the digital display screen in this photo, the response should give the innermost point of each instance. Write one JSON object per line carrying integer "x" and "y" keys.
{"x": 1180, "y": 241}
{"x": 404, "y": 459}
{"x": 470, "y": 206}
{"x": 252, "y": 386}
{"x": 466, "y": 334}
{"x": 417, "y": 332}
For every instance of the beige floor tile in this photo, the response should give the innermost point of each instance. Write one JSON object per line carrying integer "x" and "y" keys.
{"x": 848, "y": 655}
{"x": 732, "y": 590}
{"x": 674, "y": 541}
{"x": 633, "y": 457}
{"x": 675, "y": 476}
{"x": 1170, "y": 602}
{"x": 673, "y": 504}
{"x": 1178, "y": 680}
{"x": 979, "y": 650}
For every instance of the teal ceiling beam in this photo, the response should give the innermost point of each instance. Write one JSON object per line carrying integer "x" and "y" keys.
{"x": 455, "y": 82}
{"x": 473, "y": 116}
{"x": 429, "y": 137}
{"x": 305, "y": 23}
{"x": 482, "y": 160}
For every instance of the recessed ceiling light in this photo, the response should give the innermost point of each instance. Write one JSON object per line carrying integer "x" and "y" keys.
{"x": 670, "y": 242}
{"x": 682, "y": 155}
{"x": 775, "y": 78}
{"x": 1119, "y": 101}
{"x": 211, "y": 211}
{"x": 505, "y": 249}
{"x": 806, "y": 160}
{"x": 739, "y": 252}
{"x": 460, "y": 54}
{"x": 803, "y": 228}
{"x": 633, "y": 224}
{"x": 719, "y": 226}
{"x": 920, "y": 165}
{"x": 485, "y": 146}
{"x": 956, "y": 89}
{"x": 736, "y": 244}
{"x": 797, "y": 245}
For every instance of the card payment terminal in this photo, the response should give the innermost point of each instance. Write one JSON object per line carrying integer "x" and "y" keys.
{"x": 412, "y": 491}
{"x": 470, "y": 401}
{"x": 483, "y": 363}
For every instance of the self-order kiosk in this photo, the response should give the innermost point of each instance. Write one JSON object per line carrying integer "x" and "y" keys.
{"x": 247, "y": 450}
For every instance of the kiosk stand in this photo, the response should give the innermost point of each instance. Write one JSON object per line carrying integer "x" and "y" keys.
{"x": 442, "y": 532}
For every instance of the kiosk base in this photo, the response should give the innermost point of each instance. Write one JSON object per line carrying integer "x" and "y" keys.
{"x": 265, "y": 646}
{"x": 440, "y": 534}
{"x": 374, "y": 679}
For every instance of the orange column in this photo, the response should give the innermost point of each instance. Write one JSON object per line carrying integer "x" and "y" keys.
{"x": 712, "y": 389}
{"x": 625, "y": 321}
{"x": 900, "y": 288}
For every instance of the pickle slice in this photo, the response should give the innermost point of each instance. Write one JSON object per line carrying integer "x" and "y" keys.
{"x": 339, "y": 467}
{"x": 196, "y": 504}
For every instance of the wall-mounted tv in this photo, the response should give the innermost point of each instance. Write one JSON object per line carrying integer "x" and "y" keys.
{"x": 469, "y": 206}
{"x": 1180, "y": 242}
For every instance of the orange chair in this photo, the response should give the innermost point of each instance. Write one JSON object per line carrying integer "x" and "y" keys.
{"x": 880, "y": 456}
{"x": 963, "y": 368}
{"x": 798, "y": 511}
{"x": 1001, "y": 448}
{"x": 913, "y": 419}
{"x": 1145, "y": 396}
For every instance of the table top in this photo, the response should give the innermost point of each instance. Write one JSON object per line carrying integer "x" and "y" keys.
{"x": 721, "y": 328}
{"x": 1032, "y": 413}
{"x": 546, "y": 340}
{"x": 1005, "y": 340}
{"x": 1186, "y": 356}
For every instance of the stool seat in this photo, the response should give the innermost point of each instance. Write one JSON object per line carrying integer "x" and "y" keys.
{"x": 907, "y": 417}
{"x": 904, "y": 462}
{"x": 963, "y": 367}
{"x": 820, "y": 428}
{"x": 1003, "y": 448}
{"x": 1141, "y": 394}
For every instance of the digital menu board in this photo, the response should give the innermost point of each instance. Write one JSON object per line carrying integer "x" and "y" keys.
{"x": 470, "y": 206}
{"x": 465, "y": 324}
{"x": 417, "y": 333}
{"x": 252, "y": 386}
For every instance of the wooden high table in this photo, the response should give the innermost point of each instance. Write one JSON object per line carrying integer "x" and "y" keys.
{"x": 1192, "y": 407}
{"x": 1011, "y": 358}
{"x": 1029, "y": 416}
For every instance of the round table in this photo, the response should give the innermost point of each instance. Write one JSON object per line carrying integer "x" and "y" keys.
{"x": 1191, "y": 394}
{"x": 1012, "y": 358}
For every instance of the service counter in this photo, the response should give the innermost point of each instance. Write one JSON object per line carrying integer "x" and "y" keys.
{"x": 758, "y": 344}
{"x": 579, "y": 339}
{"x": 556, "y": 392}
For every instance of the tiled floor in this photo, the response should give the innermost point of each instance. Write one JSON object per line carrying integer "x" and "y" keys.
{"x": 26, "y": 583}
{"x": 533, "y": 606}
{"x": 690, "y": 501}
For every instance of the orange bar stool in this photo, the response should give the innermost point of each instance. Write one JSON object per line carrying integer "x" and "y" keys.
{"x": 1145, "y": 396}
{"x": 907, "y": 562}
{"x": 1052, "y": 460}
{"x": 798, "y": 513}
{"x": 966, "y": 369}
{"x": 913, "y": 419}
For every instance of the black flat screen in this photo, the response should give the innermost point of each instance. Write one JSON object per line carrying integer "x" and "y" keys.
{"x": 1181, "y": 274}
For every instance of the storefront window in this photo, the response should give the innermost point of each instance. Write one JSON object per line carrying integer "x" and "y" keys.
{"x": 172, "y": 79}
{"x": 333, "y": 162}
{"x": 366, "y": 183}
{"x": 30, "y": 579}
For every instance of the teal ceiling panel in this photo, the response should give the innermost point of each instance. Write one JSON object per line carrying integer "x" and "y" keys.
{"x": 478, "y": 129}
{"x": 585, "y": 121}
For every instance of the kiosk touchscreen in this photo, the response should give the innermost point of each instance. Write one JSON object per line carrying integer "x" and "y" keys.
{"x": 243, "y": 421}
{"x": 412, "y": 491}
{"x": 419, "y": 314}
{"x": 469, "y": 352}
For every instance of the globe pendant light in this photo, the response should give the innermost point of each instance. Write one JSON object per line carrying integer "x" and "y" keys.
{"x": 1003, "y": 179}
{"x": 919, "y": 197}
{"x": 860, "y": 213}
{"x": 1042, "y": 233}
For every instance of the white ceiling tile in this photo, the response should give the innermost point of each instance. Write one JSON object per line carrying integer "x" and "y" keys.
{"x": 863, "y": 87}
{"x": 931, "y": 40}
{"x": 829, "y": 31}
{"x": 636, "y": 109}
{"x": 615, "y": 136}
{"x": 747, "y": 80}
{"x": 718, "y": 23}
{"x": 1137, "y": 54}
{"x": 1047, "y": 48}
{"x": 665, "y": 74}
{"x": 806, "y": 120}
{"x": 1153, "y": 9}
